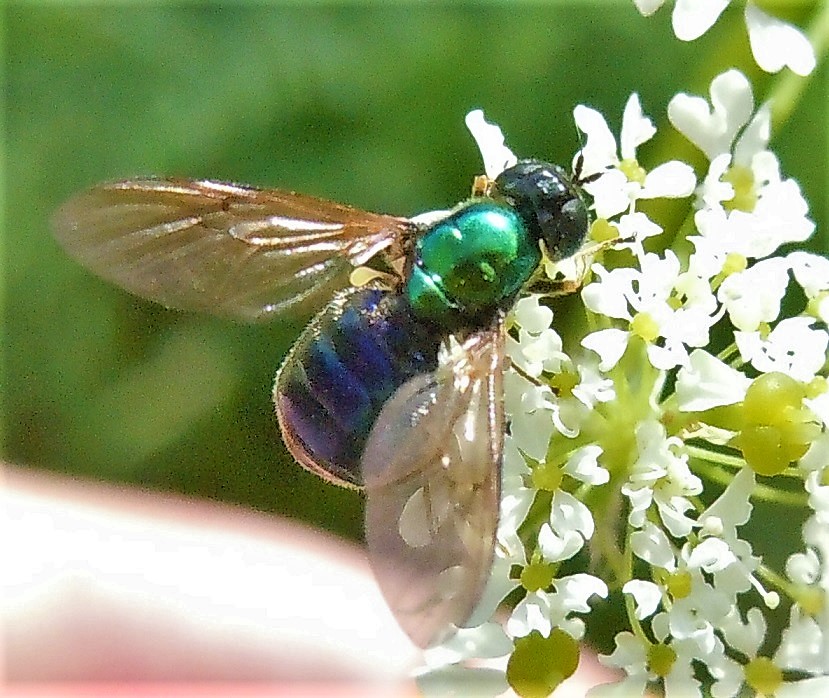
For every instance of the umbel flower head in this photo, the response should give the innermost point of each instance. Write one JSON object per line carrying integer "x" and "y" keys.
{"x": 638, "y": 445}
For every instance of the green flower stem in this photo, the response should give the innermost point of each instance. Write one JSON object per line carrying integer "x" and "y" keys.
{"x": 776, "y": 580}
{"x": 769, "y": 494}
{"x": 729, "y": 351}
{"x": 630, "y": 606}
{"x": 735, "y": 462}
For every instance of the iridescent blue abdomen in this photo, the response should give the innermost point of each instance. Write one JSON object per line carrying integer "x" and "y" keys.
{"x": 341, "y": 371}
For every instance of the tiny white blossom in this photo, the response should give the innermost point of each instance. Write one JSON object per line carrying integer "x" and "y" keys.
{"x": 728, "y": 674}
{"x": 803, "y": 568}
{"x": 614, "y": 192}
{"x": 778, "y": 217}
{"x": 536, "y": 353}
{"x": 692, "y": 18}
{"x": 811, "y": 271}
{"x": 661, "y": 476}
{"x": 609, "y": 345}
{"x": 543, "y": 611}
{"x": 644, "y": 295}
{"x": 802, "y": 645}
{"x": 516, "y": 500}
{"x": 793, "y": 347}
{"x": 820, "y": 407}
{"x": 650, "y": 544}
{"x": 753, "y": 296}
{"x": 630, "y": 655}
{"x": 729, "y": 511}
{"x": 765, "y": 210}
{"x": 594, "y": 388}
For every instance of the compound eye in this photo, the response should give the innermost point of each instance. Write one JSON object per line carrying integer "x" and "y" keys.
{"x": 564, "y": 231}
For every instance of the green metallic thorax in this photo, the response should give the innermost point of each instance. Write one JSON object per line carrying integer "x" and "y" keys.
{"x": 470, "y": 264}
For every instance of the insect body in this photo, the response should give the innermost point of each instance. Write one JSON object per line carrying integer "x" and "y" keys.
{"x": 394, "y": 387}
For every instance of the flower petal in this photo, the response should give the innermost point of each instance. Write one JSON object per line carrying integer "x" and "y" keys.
{"x": 599, "y": 151}
{"x": 636, "y": 128}
{"x": 775, "y": 43}
{"x": 708, "y": 382}
{"x": 713, "y": 129}
{"x": 609, "y": 344}
{"x": 692, "y": 18}
{"x": 646, "y": 595}
{"x": 672, "y": 180}
{"x": 496, "y": 156}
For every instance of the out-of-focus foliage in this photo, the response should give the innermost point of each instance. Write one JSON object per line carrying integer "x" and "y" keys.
{"x": 363, "y": 105}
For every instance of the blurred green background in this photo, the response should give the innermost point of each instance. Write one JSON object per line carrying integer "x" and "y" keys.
{"x": 360, "y": 104}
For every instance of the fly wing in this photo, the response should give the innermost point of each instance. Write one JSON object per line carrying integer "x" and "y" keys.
{"x": 222, "y": 248}
{"x": 431, "y": 469}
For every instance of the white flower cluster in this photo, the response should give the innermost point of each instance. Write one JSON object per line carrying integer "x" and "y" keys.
{"x": 636, "y": 450}
{"x": 774, "y": 43}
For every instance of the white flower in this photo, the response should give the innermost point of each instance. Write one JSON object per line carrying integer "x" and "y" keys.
{"x": 753, "y": 296}
{"x": 543, "y": 611}
{"x": 690, "y": 19}
{"x": 644, "y": 298}
{"x": 646, "y": 595}
{"x": 660, "y": 476}
{"x": 615, "y": 429}
{"x": 623, "y": 180}
{"x": 516, "y": 499}
{"x": 709, "y": 556}
{"x": 729, "y": 511}
{"x": 746, "y": 207}
{"x": 774, "y": 43}
{"x": 714, "y": 129}
{"x": 746, "y": 638}
{"x": 631, "y": 655}
{"x": 593, "y": 388}
{"x": 793, "y": 347}
{"x": 802, "y": 647}
{"x": 811, "y": 271}
{"x": 536, "y": 353}
{"x": 778, "y": 215}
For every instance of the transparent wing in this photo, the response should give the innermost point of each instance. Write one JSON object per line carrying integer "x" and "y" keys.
{"x": 431, "y": 469}
{"x": 221, "y": 248}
